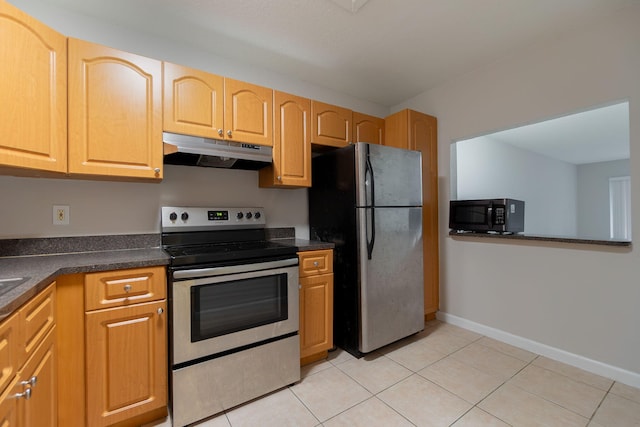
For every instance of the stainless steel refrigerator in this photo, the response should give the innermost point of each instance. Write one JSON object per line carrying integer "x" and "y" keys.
{"x": 367, "y": 200}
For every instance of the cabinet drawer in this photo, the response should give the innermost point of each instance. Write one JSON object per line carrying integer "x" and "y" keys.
{"x": 124, "y": 287}
{"x": 9, "y": 354}
{"x": 316, "y": 262}
{"x": 37, "y": 317}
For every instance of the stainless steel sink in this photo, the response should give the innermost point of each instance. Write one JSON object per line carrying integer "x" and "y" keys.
{"x": 9, "y": 283}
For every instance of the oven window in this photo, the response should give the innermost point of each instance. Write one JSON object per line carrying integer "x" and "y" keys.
{"x": 226, "y": 307}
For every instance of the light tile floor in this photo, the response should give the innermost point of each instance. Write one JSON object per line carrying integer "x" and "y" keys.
{"x": 443, "y": 376}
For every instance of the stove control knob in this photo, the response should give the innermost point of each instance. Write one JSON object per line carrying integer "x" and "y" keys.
{"x": 184, "y": 216}
{"x": 239, "y": 215}
{"x": 173, "y": 216}
{"x": 257, "y": 215}
{"x": 249, "y": 215}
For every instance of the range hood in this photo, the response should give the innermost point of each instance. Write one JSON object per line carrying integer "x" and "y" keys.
{"x": 197, "y": 151}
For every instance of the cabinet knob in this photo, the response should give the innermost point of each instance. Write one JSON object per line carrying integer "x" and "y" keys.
{"x": 32, "y": 381}
{"x": 229, "y": 133}
{"x": 316, "y": 264}
{"x": 160, "y": 311}
{"x": 157, "y": 170}
{"x": 220, "y": 132}
{"x": 279, "y": 178}
{"x": 127, "y": 288}
{"x": 26, "y": 394}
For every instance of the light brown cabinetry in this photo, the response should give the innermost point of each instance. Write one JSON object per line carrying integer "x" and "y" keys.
{"x": 368, "y": 128}
{"x": 417, "y": 131}
{"x": 193, "y": 101}
{"x": 316, "y": 304}
{"x": 331, "y": 125}
{"x": 115, "y": 112}
{"x": 126, "y": 346}
{"x": 33, "y": 109}
{"x": 291, "y": 145}
{"x": 28, "y": 361}
{"x": 203, "y": 104}
{"x": 248, "y": 112}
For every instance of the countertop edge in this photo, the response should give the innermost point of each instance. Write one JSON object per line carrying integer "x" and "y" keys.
{"x": 42, "y": 270}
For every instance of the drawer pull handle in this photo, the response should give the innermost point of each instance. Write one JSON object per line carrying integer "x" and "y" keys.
{"x": 127, "y": 288}
{"x": 26, "y": 394}
{"x": 32, "y": 381}
{"x": 160, "y": 311}
{"x": 316, "y": 264}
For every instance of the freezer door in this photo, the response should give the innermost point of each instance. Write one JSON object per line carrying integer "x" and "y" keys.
{"x": 391, "y": 276}
{"x": 387, "y": 176}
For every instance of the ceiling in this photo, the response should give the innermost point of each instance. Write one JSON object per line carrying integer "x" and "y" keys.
{"x": 381, "y": 51}
{"x": 597, "y": 135}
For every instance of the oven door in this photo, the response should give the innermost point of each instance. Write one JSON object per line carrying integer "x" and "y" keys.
{"x": 216, "y": 310}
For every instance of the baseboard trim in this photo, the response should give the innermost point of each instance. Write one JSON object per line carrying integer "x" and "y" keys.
{"x": 609, "y": 371}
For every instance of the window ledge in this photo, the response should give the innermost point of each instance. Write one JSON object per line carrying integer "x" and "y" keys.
{"x": 585, "y": 241}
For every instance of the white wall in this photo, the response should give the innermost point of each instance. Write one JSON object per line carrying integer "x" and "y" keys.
{"x": 553, "y": 297}
{"x": 103, "y": 207}
{"x": 99, "y": 207}
{"x": 593, "y": 196}
{"x": 488, "y": 169}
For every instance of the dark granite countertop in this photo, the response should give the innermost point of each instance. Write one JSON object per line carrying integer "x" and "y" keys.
{"x": 43, "y": 260}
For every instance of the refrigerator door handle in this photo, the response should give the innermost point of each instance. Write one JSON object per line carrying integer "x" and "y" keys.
{"x": 371, "y": 206}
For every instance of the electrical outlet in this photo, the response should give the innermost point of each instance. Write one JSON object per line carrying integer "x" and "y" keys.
{"x": 60, "y": 215}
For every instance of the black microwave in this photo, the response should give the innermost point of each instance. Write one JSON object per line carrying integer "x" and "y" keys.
{"x": 487, "y": 215}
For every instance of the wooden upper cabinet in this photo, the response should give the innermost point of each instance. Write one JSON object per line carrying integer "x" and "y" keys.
{"x": 193, "y": 102}
{"x": 248, "y": 113}
{"x": 331, "y": 125}
{"x": 33, "y": 88}
{"x": 291, "y": 144}
{"x": 368, "y": 128}
{"x": 417, "y": 131}
{"x": 115, "y": 112}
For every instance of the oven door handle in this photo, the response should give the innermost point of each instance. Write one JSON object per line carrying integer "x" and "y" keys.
{"x": 244, "y": 268}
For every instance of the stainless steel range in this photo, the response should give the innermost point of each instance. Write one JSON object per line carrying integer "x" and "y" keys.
{"x": 233, "y": 298}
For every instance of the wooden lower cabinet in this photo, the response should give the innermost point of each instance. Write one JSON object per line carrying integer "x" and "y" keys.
{"x": 126, "y": 362}
{"x": 113, "y": 347}
{"x": 40, "y": 409}
{"x": 28, "y": 359}
{"x": 316, "y": 305}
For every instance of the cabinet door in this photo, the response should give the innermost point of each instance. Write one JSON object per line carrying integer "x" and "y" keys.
{"x": 9, "y": 406}
{"x": 331, "y": 125}
{"x": 37, "y": 317}
{"x": 33, "y": 109}
{"x": 424, "y": 138}
{"x": 126, "y": 359}
{"x": 193, "y": 101}
{"x": 316, "y": 314}
{"x": 368, "y": 128}
{"x": 10, "y": 350}
{"x": 291, "y": 144}
{"x": 115, "y": 112}
{"x": 41, "y": 409}
{"x": 248, "y": 113}
{"x": 397, "y": 130}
